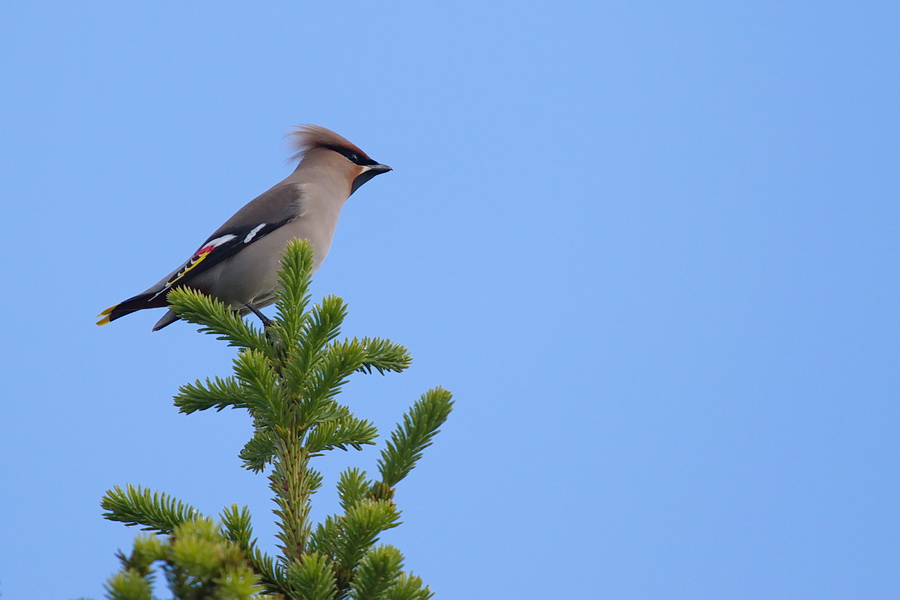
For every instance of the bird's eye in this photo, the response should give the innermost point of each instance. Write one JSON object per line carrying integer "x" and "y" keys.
{"x": 350, "y": 155}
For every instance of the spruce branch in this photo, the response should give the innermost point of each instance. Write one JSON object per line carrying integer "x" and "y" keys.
{"x": 378, "y": 571}
{"x": 353, "y": 486}
{"x": 321, "y": 325}
{"x": 346, "y": 539}
{"x": 154, "y": 511}
{"x": 271, "y": 574}
{"x": 325, "y": 536}
{"x": 216, "y": 318}
{"x": 135, "y": 579}
{"x": 293, "y": 299}
{"x": 216, "y": 393}
{"x": 259, "y": 452}
{"x": 294, "y": 482}
{"x": 383, "y": 355}
{"x": 128, "y": 585}
{"x": 312, "y": 579}
{"x": 310, "y": 412}
{"x": 409, "y": 587}
{"x": 360, "y": 528}
{"x": 420, "y": 424}
{"x": 324, "y": 323}
{"x": 340, "y": 433}
{"x": 336, "y": 362}
{"x": 198, "y": 563}
{"x": 237, "y": 526}
{"x": 261, "y": 384}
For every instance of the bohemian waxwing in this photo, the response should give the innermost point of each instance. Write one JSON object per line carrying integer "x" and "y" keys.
{"x": 238, "y": 263}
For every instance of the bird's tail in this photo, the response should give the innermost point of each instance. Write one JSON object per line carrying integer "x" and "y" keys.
{"x": 135, "y": 303}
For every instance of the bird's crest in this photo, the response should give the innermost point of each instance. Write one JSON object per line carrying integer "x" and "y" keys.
{"x": 307, "y": 137}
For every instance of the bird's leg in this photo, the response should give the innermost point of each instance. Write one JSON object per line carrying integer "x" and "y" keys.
{"x": 265, "y": 320}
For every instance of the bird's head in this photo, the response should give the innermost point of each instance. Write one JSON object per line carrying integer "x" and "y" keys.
{"x": 315, "y": 144}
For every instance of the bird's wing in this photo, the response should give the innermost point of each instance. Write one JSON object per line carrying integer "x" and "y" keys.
{"x": 260, "y": 217}
{"x": 263, "y": 215}
{"x": 215, "y": 250}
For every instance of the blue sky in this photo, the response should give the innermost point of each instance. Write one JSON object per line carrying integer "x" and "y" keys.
{"x": 650, "y": 246}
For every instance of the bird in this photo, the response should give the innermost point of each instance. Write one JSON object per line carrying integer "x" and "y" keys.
{"x": 238, "y": 264}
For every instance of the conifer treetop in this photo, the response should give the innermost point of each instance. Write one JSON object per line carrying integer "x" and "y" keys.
{"x": 288, "y": 378}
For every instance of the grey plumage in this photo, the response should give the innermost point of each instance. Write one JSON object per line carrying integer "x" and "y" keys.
{"x": 238, "y": 263}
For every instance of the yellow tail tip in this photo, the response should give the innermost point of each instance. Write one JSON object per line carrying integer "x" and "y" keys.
{"x": 105, "y": 314}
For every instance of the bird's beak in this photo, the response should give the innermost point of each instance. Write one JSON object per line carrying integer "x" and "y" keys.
{"x": 369, "y": 172}
{"x": 379, "y": 169}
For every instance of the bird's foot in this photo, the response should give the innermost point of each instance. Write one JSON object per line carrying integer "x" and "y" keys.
{"x": 265, "y": 320}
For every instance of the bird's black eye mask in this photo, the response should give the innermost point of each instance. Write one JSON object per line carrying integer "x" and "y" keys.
{"x": 353, "y": 156}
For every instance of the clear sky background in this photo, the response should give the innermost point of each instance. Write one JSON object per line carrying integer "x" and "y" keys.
{"x": 652, "y": 248}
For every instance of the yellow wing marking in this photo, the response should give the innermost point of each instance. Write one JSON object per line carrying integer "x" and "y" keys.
{"x": 194, "y": 262}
